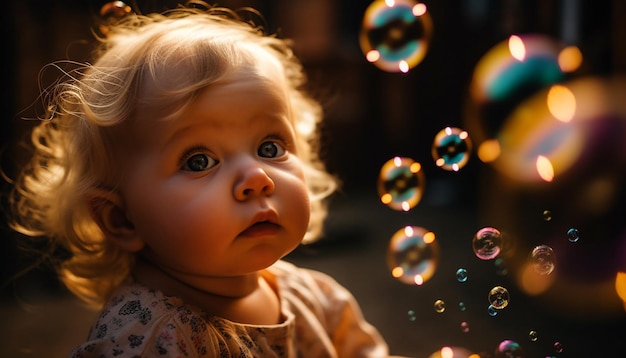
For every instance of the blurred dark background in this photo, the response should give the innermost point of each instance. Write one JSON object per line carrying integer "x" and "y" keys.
{"x": 372, "y": 116}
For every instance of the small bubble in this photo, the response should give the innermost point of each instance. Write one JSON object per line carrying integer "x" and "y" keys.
{"x": 395, "y": 35}
{"x": 413, "y": 255}
{"x": 487, "y": 243}
{"x": 451, "y": 148}
{"x": 532, "y": 335}
{"x": 501, "y": 268}
{"x": 509, "y": 349}
{"x": 498, "y": 297}
{"x": 462, "y": 306}
{"x": 461, "y": 275}
{"x": 401, "y": 183}
{"x": 573, "y": 235}
{"x": 543, "y": 260}
{"x": 492, "y": 311}
{"x": 547, "y": 215}
{"x": 411, "y": 315}
{"x": 558, "y": 347}
{"x": 464, "y": 327}
{"x": 440, "y": 306}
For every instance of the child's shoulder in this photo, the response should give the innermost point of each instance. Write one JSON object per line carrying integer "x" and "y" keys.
{"x": 139, "y": 320}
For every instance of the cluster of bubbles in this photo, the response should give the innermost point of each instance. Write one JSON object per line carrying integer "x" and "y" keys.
{"x": 528, "y": 121}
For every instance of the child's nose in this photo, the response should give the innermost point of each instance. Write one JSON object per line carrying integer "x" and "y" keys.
{"x": 253, "y": 181}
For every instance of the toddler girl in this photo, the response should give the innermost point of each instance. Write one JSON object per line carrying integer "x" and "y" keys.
{"x": 177, "y": 170}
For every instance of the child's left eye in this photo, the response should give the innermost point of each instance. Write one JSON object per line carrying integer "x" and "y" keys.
{"x": 270, "y": 149}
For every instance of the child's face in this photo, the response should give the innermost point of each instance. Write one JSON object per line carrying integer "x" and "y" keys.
{"x": 219, "y": 191}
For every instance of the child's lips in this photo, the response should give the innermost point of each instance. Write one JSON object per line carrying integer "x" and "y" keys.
{"x": 263, "y": 224}
{"x": 263, "y": 228}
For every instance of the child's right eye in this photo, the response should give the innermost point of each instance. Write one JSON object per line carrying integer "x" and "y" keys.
{"x": 199, "y": 162}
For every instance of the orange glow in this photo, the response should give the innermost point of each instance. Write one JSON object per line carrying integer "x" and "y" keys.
{"x": 489, "y": 150}
{"x": 544, "y": 168}
{"x": 429, "y": 237}
{"x": 397, "y": 272}
{"x": 570, "y": 59}
{"x": 620, "y": 285}
{"x": 533, "y": 283}
{"x": 386, "y": 198}
{"x": 561, "y": 103}
{"x": 419, "y": 9}
{"x": 517, "y": 48}
{"x": 415, "y": 167}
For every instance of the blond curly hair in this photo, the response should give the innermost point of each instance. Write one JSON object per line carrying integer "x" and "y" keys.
{"x": 74, "y": 145}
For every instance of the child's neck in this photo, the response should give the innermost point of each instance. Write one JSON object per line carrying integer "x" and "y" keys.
{"x": 234, "y": 298}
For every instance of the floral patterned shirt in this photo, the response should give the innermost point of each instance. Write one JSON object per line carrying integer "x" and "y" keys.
{"x": 320, "y": 319}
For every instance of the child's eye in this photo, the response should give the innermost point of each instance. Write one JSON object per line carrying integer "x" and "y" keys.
{"x": 271, "y": 149}
{"x": 199, "y": 162}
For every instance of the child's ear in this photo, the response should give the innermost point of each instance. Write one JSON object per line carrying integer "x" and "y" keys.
{"x": 108, "y": 212}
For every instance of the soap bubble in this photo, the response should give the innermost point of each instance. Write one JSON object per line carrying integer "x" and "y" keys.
{"x": 110, "y": 13}
{"x": 509, "y": 349}
{"x": 547, "y": 215}
{"x": 498, "y": 297}
{"x": 413, "y": 255}
{"x": 573, "y": 235}
{"x": 440, "y": 306}
{"x": 558, "y": 347}
{"x": 492, "y": 311}
{"x": 395, "y": 35}
{"x": 411, "y": 315}
{"x": 532, "y": 336}
{"x": 487, "y": 243}
{"x": 462, "y": 306}
{"x": 451, "y": 148}
{"x": 464, "y": 327}
{"x": 543, "y": 260}
{"x": 461, "y": 275}
{"x": 504, "y": 76}
{"x": 401, "y": 183}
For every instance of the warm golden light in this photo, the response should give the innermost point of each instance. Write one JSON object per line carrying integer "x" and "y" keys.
{"x": 403, "y": 66}
{"x": 570, "y": 59}
{"x": 390, "y": 3}
{"x": 489, "y": 150}
{"x": 545, "y": 169}
{"x": 408, "y": 231}
{"x": 517, "y": 48}
{"x": 372, "y": 55}
{"x": 561, "y": 103}
{"x": 406, "y": 206}
{"x": 429, "y": 237}
{"x": 419, "y": 280}
{"x": 419, "y": 9}
{"x": 415, "y": 167}
{"x": 397, "y": 272}
{"x": 533, "y": 283}
{"x": 620, "y": 285}
{"x": 447, "y": 352}
{"x": 386, "y": 198}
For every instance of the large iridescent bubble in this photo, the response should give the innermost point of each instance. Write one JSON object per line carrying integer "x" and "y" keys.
{"x": 507, "y": 74}
{"x": 395, "y": 34}
{"x": 413, "y": 255}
